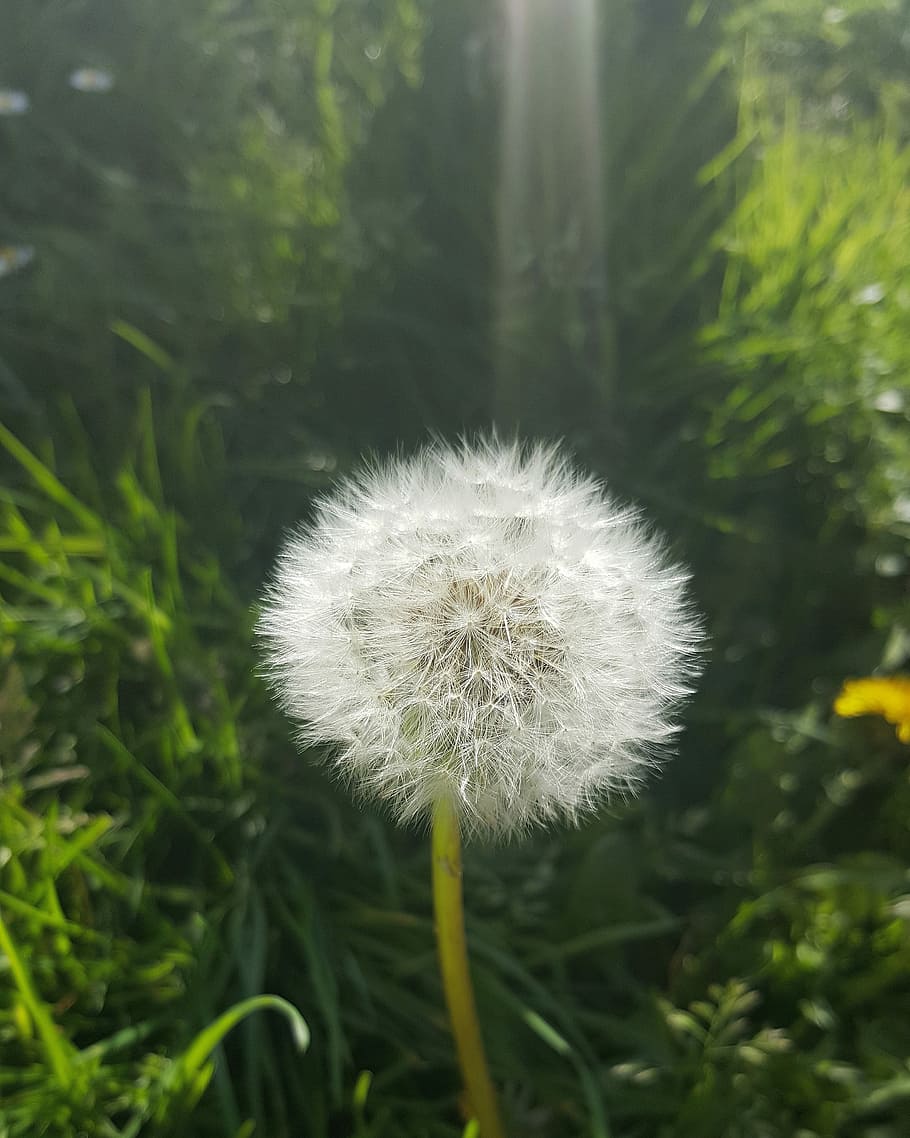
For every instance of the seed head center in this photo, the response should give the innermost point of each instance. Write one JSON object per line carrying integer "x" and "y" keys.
{"x": 487, "y": 650}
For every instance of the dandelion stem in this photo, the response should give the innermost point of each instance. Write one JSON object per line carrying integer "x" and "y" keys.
{"x": 453, "y": 963}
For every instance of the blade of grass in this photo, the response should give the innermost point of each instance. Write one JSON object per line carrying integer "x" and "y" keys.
{"x": 56, "y": 1048}
{"x": 47, "y": 481}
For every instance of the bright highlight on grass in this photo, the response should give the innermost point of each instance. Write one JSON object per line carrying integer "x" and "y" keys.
{"x": 491, "y": 642}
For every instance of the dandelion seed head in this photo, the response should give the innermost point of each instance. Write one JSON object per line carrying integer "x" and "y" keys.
{"x": 486, "y": 624}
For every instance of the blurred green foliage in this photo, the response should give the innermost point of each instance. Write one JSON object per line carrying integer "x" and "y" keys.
{"x": 274, "y": 244}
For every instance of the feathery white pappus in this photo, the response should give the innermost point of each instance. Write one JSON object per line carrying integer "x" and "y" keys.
{"x": 482, "y": 623}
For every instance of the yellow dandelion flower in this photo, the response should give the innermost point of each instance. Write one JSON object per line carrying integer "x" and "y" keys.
{"x": 888, "y": 696}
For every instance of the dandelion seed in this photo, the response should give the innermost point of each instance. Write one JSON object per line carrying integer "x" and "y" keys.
{"x": 887, "y": 696}
{"x": 870, "y": 294}
{"x": 890, "y": 564}
{"x": 14, "y": 102}
{"x": 482, "y": 625}
{"x": 891, "y": 402}
{"x": 902, "y": 507}
{"x": 91, "y": 79}
{"x": 14, "y": 257}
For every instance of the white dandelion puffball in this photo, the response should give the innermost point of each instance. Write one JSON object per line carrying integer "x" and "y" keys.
{"x": 481, "y": 624}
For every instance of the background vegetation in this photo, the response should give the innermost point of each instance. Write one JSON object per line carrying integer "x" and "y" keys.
{"x": 273, "y": 245}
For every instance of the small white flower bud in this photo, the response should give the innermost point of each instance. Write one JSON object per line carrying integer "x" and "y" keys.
{"x": 482, "y": 624}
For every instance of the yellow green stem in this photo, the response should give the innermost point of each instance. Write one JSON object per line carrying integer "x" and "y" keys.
{"x": 456, "y": 979}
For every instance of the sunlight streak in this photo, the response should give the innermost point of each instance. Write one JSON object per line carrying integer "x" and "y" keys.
{"x": 550, "y": 211}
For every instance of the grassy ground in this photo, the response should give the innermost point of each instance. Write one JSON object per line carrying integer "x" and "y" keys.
{"x": 272, "y": 245}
